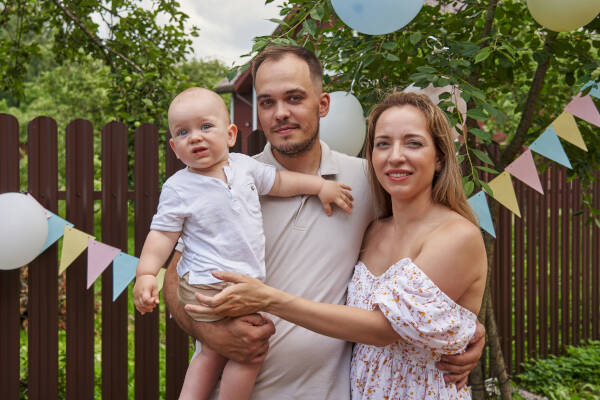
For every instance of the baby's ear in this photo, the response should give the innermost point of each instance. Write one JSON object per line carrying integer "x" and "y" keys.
{"x": 232, "y": 131}
{"x": 172, "y": 144}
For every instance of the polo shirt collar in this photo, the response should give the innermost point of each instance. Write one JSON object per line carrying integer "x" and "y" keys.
{"x": 329, "y": 164}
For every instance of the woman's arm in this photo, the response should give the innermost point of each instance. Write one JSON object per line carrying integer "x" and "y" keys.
{"x": 343, "y": 322}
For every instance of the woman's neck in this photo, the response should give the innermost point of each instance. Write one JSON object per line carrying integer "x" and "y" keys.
{"x": 407, "y": 213}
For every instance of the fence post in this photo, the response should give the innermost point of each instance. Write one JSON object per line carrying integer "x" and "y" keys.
{"x": 114, "y": 233}
{"x": 146, "y": 200}
{"x": 43, "y": 271}
{"x": 9, "y": 280}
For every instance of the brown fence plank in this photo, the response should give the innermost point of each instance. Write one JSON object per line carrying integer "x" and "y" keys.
{"x": 504, "y": 316}
{"x": 596, "y": 265}
{"x": 146, "y": 200}
{"x": 576, "y": 204}
{"x": 531, "y": 200}
{"x": 43, "y": 271}
{"x": 585, "y": 278}
{"x": 9, "y": 280}
{"x": 543, "y": 267}
{"x": 564, "y": 258}
{"x": 177, "y": 340}
{"x": 114, "y": 233}
{"x": 519, "y": 294}
{"x": 80, "y": 301}
{"x": 554, "y": 275}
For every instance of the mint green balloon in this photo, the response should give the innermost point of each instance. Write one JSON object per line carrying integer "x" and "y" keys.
{"x": 563, "y": 15}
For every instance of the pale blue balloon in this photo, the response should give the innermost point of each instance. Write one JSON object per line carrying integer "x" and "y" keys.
{"x": 377, "y": 17}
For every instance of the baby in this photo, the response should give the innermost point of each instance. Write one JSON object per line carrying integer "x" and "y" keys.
{"x": 213, "y": 204}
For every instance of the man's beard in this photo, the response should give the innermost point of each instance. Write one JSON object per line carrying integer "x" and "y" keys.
{"x": 297, "y": 149}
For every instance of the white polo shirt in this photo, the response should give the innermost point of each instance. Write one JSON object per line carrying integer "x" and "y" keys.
{"x": 220, "y": 223}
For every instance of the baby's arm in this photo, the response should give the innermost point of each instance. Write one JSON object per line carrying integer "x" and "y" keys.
{"x": 156, "y": 250}
{"x": 288, "y": 183}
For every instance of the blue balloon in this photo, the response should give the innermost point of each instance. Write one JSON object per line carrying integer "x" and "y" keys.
{"x": 377, "y": 17}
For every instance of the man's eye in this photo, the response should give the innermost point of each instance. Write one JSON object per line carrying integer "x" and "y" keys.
{"x": 265, "y": 103}
{"x": 295, "y": 99}
{"x": 182, "y": 132}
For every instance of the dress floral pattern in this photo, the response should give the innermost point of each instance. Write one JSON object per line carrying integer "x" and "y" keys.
{"x": 429, "y": 323}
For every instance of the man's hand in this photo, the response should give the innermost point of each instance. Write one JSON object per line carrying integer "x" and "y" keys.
{"x": 458, "y": 367}
{"x": 243, "y": 339}
{"x": 337, "y": 193}
{"x": 145, "y": 293}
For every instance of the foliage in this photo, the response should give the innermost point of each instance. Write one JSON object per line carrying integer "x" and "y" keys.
{"x": 491, "y": 50}
{"x": 139, "y": 53}
{"x": 573, "y": 376}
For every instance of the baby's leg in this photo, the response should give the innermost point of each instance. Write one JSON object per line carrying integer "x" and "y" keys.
{"x": 238, "y": 380}
{"x": 202, "y": 375}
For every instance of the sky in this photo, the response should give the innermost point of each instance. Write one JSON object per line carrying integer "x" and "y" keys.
{"x": 227, "y": 27}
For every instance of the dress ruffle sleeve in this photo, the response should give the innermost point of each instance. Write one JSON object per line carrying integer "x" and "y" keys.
{"x": 421, "y": 313}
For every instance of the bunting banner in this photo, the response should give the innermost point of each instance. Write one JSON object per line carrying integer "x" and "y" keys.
{"x": 124, "y": 267}
{"x": 524, "y": 169}
{"x": 548, "y": 145}
{"x": 566, "y": 128}
{"x": 100, "y": 256}
{"x": 479, "y": 204}
{"x": 584, "y": 108}
{"x": 56, "y": 229}
{"x": 74, "y": 243}
{"x": 504, "y": 192}
{"x": 595, "y": 92}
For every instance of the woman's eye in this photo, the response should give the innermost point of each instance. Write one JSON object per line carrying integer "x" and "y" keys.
{"x": 415, "y": 144}
{"x": 182, "y": 132}
{"x": 381, "y": 144}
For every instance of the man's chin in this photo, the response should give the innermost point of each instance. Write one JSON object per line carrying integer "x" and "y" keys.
{"x": 294, "y": 149}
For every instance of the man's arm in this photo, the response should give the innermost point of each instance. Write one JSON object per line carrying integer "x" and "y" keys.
{"x": 458, "y": 367}
{"x": 244, "y": 339}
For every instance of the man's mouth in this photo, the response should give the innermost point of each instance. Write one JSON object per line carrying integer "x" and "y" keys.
{"x": 285, "y": 129}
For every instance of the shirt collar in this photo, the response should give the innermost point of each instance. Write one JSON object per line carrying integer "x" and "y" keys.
{"x": 329, "y": 163}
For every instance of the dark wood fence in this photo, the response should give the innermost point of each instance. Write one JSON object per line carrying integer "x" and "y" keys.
{"x": 545, "y": 290}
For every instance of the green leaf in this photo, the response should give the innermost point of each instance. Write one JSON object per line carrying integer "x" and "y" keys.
{"x": 482, "y": 54}
{"x": 390, "y": 45}
{"x": 468, "y": 188}
{"x": 481, "y": 134}
{"x": 477, "y": 114}
{"x": 486, "y": 188}
{"x": 278, "y": 21}
{"x": 310, "y": 27}
{"x": 147, "y": 102}
{"x": 486, "y": 169}
{"x": 415, "y": 38}
{"x": 391, "y": 57}
{"x": 482, "y": 156}
{"x": 317, "y": 12}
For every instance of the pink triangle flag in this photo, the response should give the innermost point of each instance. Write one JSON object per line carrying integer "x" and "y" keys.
{"x": 584, "y": 108}
{"x": 523, "y": 168}
{"x": 100, "y": 255}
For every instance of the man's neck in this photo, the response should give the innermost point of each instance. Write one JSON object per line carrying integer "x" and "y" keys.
{"x": 308, "y": 162}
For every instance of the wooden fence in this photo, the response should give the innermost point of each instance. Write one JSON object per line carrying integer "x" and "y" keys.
{"x": 538, "y": 309}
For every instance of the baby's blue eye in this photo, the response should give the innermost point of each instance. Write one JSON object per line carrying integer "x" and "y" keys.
{"x": 182, "y": 132}
{"x": 206, "y": 126}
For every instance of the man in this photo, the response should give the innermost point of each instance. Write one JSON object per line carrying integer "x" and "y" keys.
{"x": 307, "y": 253}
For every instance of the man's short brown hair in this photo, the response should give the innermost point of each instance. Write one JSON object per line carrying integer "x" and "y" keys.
{"x": 277, "y": 52}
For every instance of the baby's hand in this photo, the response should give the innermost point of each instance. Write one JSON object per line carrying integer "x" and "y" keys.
{"x": 334, "y": 192}
{"x": 145, "y": 293}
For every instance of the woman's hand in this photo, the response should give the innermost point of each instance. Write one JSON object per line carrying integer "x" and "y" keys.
{"x": 247, "y": 296}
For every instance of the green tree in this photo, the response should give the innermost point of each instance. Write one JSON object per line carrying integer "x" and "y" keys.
{"x": 515, "y": 76}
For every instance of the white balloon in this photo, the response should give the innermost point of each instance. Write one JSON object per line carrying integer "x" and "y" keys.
{"x": 562, "y": 15}
{"x": 24, "y": 230}
{"x": 434, "y": 94}
{"x": 344, "y": 127}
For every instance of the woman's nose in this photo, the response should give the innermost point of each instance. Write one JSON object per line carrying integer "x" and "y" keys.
{"x": 397, "y": 153}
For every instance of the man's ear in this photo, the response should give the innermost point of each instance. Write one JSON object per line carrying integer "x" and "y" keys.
{"x": 324, "y": 101}
{"x": 172, "y": 144}
{"x": 232, "y": 131}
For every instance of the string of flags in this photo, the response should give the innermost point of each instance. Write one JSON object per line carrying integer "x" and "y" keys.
{"x": 547, "y": 145}
{"x": 99, "y": 255}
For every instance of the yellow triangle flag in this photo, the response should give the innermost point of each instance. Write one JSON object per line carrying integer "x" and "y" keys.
{"x": 504, "y": 192}
{"x": 160, "y": 278}
{"x": 74, "y": 243}
{"x": 566, "y": 127}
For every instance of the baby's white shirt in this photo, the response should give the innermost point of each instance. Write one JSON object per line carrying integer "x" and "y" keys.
{"x": 220, "y": 223}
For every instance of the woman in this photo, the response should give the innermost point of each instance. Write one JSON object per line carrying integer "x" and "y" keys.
{"x": 418, "y": 285}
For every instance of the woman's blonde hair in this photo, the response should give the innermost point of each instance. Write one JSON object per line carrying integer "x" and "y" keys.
{"x": 447, "y": 183}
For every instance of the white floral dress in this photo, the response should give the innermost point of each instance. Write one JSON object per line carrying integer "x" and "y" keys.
{"x": 429, "y": 323}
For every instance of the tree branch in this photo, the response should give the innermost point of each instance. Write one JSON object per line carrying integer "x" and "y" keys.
{"x": 103, "y": 48}
{"x": 532, "y": 97}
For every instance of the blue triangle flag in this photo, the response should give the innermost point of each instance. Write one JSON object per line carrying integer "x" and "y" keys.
{"x": 124, "y": 267}
{"x": 595, "y": 92}
{"x": 548, "y": 145}
{"x": 479, "y": 204}
{"x": 56, "y": 229}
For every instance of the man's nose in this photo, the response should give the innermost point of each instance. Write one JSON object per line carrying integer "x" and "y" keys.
{"x": 281, "y": 111}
